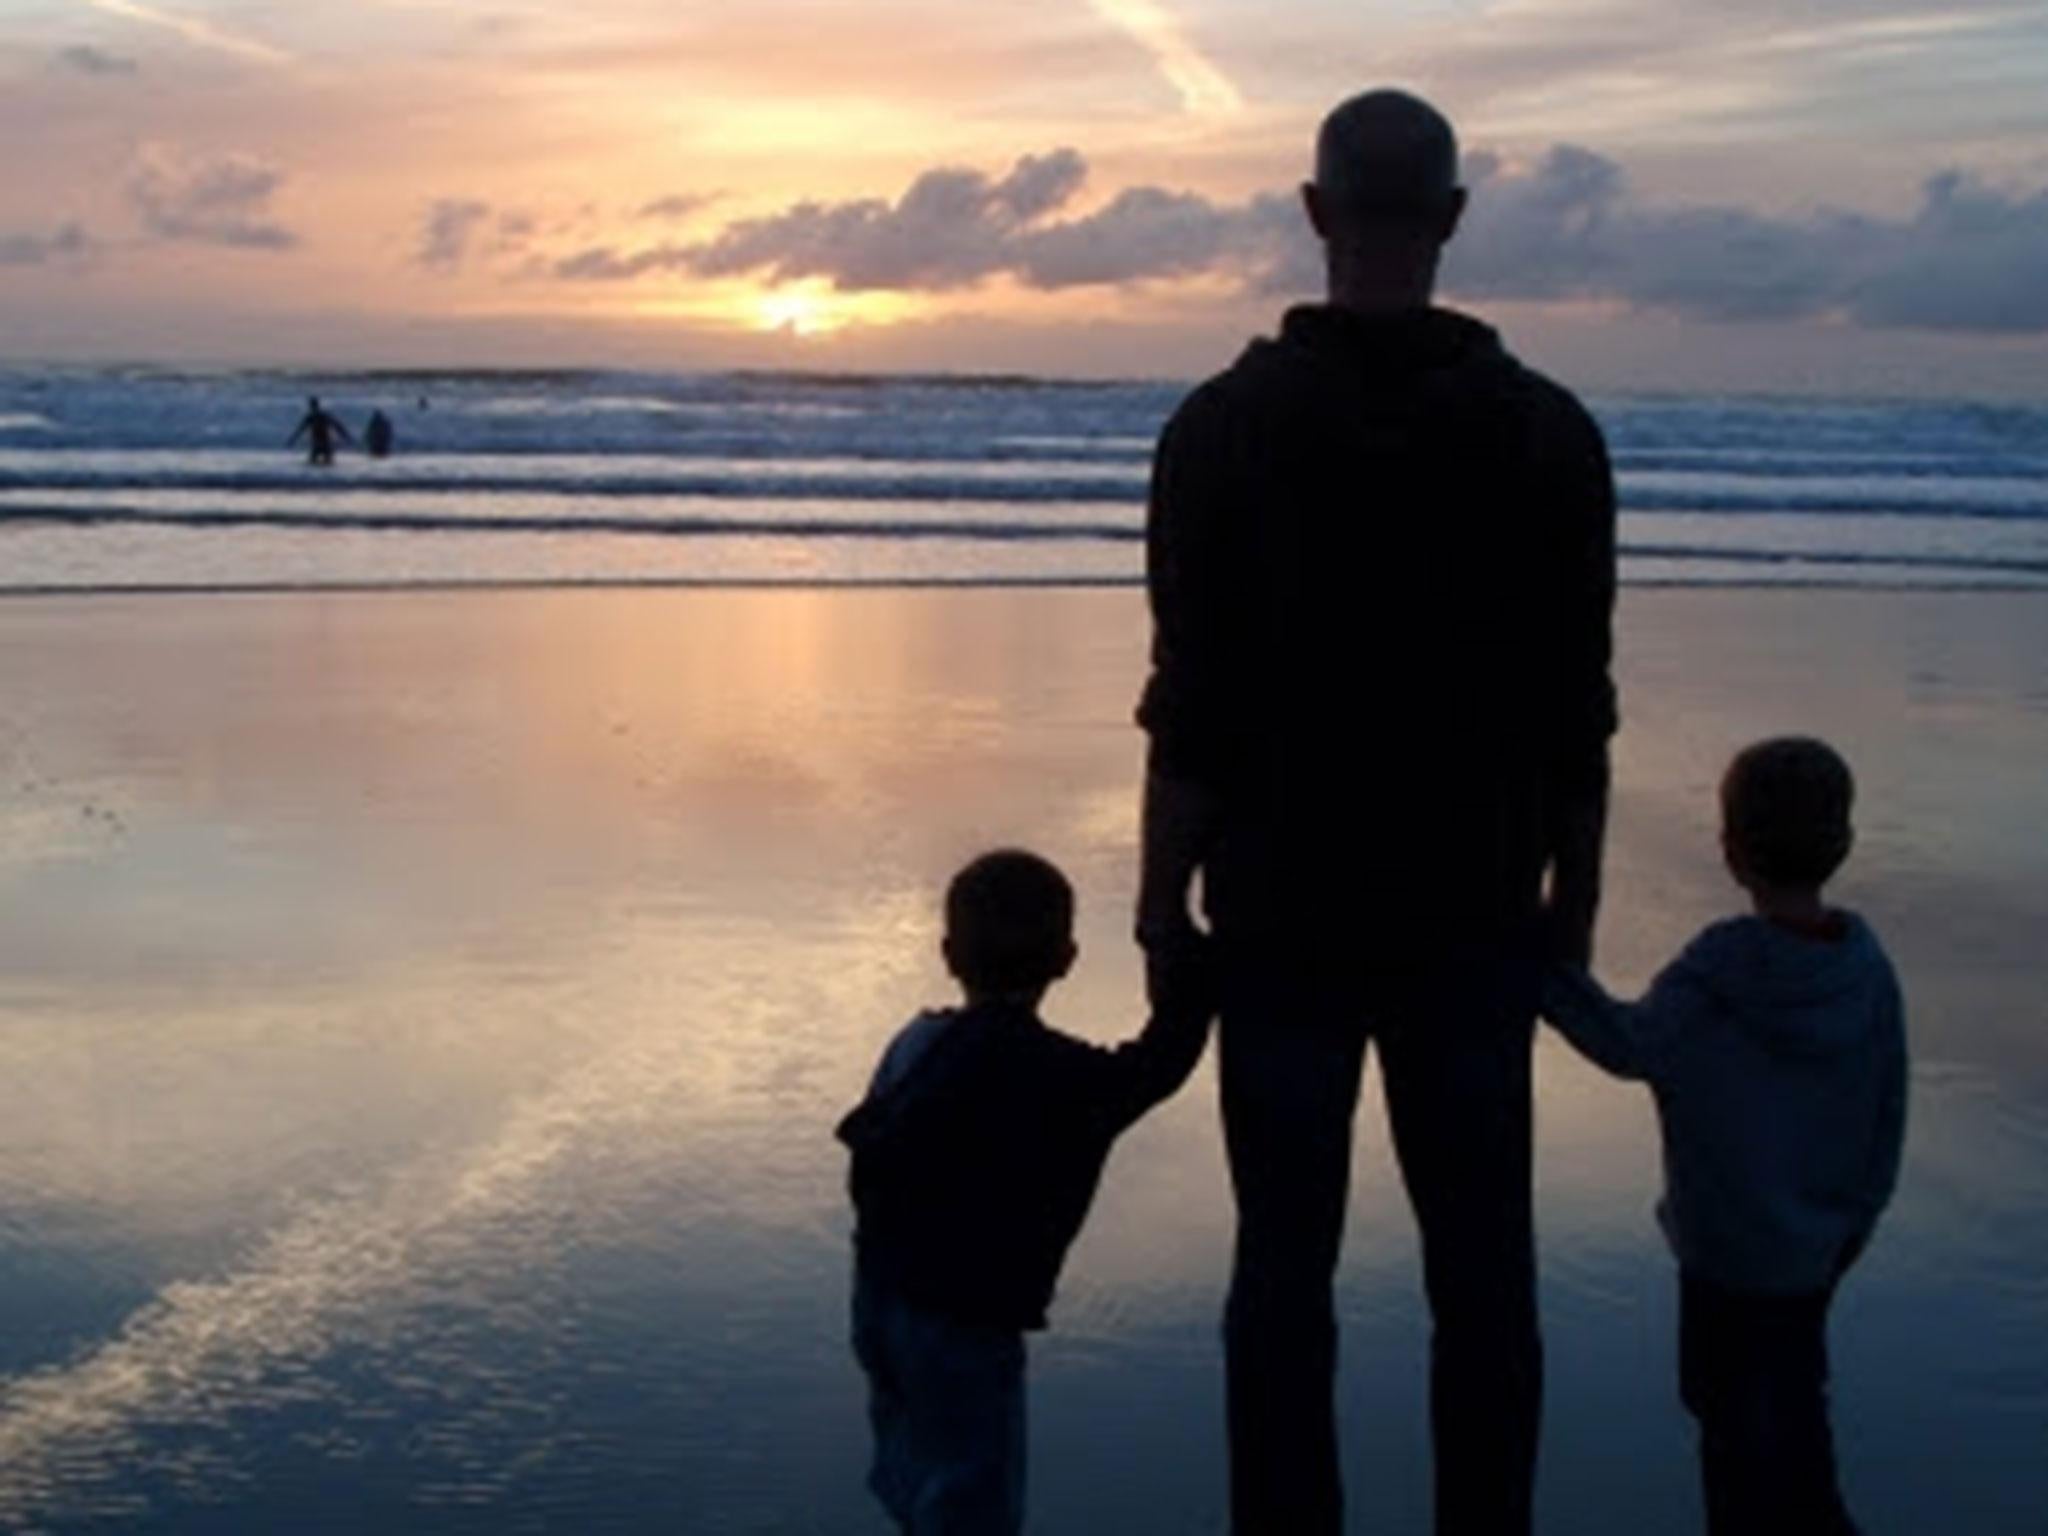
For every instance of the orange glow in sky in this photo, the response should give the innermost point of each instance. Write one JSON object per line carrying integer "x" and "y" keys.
{"x": 214, "y": 179}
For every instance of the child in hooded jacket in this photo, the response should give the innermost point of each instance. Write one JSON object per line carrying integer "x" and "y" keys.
{"x": 1775, "y": 1046}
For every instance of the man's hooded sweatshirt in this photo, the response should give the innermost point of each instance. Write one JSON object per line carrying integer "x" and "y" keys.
{"x": 1778, "y": 1061}
{"x": 1380, "y": 554}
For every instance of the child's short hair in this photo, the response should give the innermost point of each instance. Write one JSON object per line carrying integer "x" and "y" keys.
{"x": 1785, "y": 808}
{"x": 1009, "y": 922}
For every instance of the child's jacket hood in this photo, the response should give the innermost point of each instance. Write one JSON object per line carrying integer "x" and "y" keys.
{"x": 1793, "y": 993}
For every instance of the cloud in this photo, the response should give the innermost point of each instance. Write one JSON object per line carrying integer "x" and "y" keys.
{"x": 952, "y": 228}
{"x": 445, "y": 232}
{"x": 1972, "y": 259}
{"x": 1039, "y": 184}
{"x": 603, "y": 263}
{"x": 1540, "y": 234}
{"x": 85, "y": 59}
{"x": 1969, "y": 258}
{"x": 453, "y": 229}
{"x": 69, "y": 243}
{"x": 1146, "y": 233}
{"x": 946, "y": 231}
{"x": 677, "y": 205}
{"x": 221, "y": 200}
{"x": 955, "y": 227}
{"x": 1567, "y": 227}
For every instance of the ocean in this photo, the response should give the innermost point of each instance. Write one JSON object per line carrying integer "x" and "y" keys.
{"x": 164, "y": 479}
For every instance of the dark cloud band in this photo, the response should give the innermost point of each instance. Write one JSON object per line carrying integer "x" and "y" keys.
{"x": 1567, "y": 227}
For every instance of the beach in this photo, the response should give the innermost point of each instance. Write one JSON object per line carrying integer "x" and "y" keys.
{"x": 424, "y": 1015}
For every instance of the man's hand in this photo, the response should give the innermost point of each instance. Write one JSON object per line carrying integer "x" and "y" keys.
{"x": 1181, "y": 976}
{"x": 1165, "y": 921}
{"x": 1578, "y": 839}
{"x": 1179, "y": 824}
{"x": 1568, "y": 929}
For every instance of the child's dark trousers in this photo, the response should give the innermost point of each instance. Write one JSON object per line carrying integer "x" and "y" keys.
{"x": 1753, "y": 1370}
{"x": 946, "y": 1402}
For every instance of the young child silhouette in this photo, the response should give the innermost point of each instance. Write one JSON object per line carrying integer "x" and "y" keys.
{"x": 1775, "y": 1045}
{"x": 976, "y": 1154}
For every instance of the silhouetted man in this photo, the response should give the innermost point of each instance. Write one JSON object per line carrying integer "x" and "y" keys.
{"x": 319, "y": 429}
{"x": 1381, "y": 564}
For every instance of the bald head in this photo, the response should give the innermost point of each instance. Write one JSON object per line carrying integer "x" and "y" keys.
{"x": 1385, "y": 199}
{"x": 1386, "y": 156}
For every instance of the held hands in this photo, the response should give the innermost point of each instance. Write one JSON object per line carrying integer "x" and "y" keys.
{"x": 1569, "y": 909}
{"x": 1164, "y": 923}
{"x": 1573, "y": 898}
{"x": 1180, "y": 959}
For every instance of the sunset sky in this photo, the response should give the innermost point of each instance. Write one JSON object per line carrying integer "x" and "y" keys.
{"x": 1772, "y": 195}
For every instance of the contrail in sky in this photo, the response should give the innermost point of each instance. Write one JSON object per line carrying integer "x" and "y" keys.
{"x": 203, "y": 33}
{"x": 1204, "y": 89}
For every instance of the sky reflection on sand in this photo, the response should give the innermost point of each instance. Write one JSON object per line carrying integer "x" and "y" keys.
{"x": 421, "y": 1020}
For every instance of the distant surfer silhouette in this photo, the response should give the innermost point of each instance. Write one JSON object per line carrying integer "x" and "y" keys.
{"x": 319, "y": 428}
{"x": 378, "y": 435}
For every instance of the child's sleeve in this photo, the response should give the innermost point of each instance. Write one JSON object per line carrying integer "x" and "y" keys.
{"x": 1632, "y": 1040}
{"x": 922, "y": 1038}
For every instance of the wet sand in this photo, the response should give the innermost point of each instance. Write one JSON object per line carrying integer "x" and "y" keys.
{"x": 422, "y": 1017}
